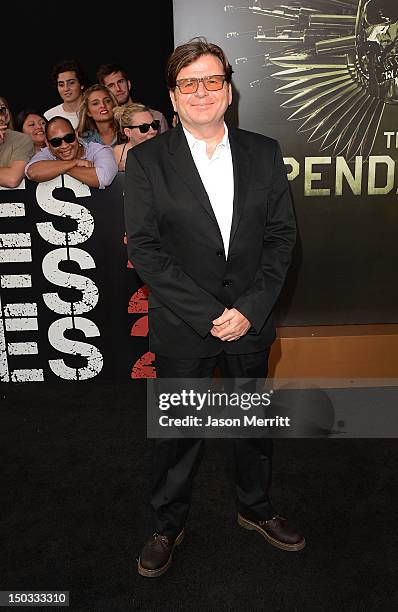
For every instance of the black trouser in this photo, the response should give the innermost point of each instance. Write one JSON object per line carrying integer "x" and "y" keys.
{"x": 175, "y": 460}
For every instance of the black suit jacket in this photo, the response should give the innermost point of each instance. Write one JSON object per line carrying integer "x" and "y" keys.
{"x": 176, "y": 246}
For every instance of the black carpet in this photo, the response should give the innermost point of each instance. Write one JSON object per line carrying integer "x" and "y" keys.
{"x": 75, "y": 464}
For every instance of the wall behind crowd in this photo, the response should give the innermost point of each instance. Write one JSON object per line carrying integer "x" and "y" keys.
{"x": 139, "y": 36}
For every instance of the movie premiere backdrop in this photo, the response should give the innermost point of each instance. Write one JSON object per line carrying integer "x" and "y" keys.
{"x": 321, "y": 76}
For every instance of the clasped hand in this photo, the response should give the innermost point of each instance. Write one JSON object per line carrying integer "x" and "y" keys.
{"x": 84, "y": 163}
{"x": 231, "y": 325}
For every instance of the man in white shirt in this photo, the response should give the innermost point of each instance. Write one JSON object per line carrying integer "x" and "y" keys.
{"x": 70, "y": 81}
{"x": 210, "y": 229}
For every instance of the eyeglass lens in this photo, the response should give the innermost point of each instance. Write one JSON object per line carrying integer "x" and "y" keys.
{"x": 144, "y": 127}
{"x": 211, "y": 83}
{"x": 57, "y": 141}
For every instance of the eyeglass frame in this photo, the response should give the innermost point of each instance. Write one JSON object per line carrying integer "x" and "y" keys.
{"x": 150, "y": 125}
{"x": 3, "y": 110}
{"x": 62, "y": 139}
{"x": 198, "y": 80}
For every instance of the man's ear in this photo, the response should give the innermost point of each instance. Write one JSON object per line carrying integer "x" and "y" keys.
{"x": 173, "y": 99}
{"x": 229, "y": 94}
{"x": 129, "y": 85}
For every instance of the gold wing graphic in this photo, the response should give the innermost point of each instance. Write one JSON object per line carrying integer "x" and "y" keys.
{"x": 331, "y": 104}
{"x": 339, "y": 62}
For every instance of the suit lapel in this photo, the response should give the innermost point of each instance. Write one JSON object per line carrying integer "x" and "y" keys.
{"x": 182, "y": 161}
{"x": 242, "y": 168}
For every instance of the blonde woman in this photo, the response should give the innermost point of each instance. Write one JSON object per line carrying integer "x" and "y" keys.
{"x": 97, "y": 123}
{"x": 137, "y": 124}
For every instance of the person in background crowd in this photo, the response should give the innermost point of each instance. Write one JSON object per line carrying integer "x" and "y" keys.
{"x": 70, "y": 81}
{"x": 15, "y": 149}
{"x": 31, "y": 122}
{"x": 6, "y": 114}
{"x": 97, "y": 123}
{"x": 137, "y": 123}
{"x": 91, "y": 163}
{"x": 116, "y": 79}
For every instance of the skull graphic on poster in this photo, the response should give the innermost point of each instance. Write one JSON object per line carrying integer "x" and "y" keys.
{"x": 377, "y": 48}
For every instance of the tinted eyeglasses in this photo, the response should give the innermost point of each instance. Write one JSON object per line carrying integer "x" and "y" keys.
{"x": 3, "y": 110}
{"x": 57, "y": 141}
{"x": 213, "y": 82}
{"x": 144, "y": 127}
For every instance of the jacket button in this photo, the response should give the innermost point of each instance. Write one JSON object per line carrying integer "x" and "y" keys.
{"x": 219, "y": 253}
{"x": 226, "y": 283}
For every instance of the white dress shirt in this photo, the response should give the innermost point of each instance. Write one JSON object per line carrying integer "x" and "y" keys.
{"x": 218, "y": 179}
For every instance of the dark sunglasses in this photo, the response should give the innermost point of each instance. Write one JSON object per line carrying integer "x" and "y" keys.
{"x": 3, "y": 110}
{"x": 144, "y": 127}
{"x": 68, "y": 138}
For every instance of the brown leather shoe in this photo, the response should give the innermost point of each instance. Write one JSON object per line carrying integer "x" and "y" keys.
{"x": 157, "y": 554}
{"x": 276, "y": 531}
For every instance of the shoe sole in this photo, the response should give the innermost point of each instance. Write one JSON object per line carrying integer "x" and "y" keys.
{"x": 250, "y": 526}
{"x": 161, "y": 570}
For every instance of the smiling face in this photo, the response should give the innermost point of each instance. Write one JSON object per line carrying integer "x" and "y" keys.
{"x": 202, "y": 110}
{"x": 68, "y": 86}
{"x": 66, "y": 151}
{"x": 119, "y": 86}
{"x": 99, "y": 106}
{"x": 34, "y": 126}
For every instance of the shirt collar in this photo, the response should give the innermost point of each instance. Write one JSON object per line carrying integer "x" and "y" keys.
{"x": 196, "y": 142}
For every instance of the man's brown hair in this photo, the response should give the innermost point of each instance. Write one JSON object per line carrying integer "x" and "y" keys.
{"x": 189, "y": 52}
{"x": 105, "y": 69}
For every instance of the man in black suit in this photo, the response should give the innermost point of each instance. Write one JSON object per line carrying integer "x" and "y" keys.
{"x": 210, "y": 229}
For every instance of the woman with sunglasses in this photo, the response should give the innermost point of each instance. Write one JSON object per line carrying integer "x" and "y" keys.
{"x": 97, "y": 123}
{"x": 136, "y": 122}
{"x": 15, "y": 149}
{"x": 31, "y": 122}
{"x": 90, "y": 163}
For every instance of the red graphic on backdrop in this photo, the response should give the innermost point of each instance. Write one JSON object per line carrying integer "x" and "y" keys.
{"x": 143, "y": 367}
{"x": 139, "y": 301}
{"x": 129, "y": 264}
{"x": 140, "y": 327}
{"x": 138, "y": 304}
